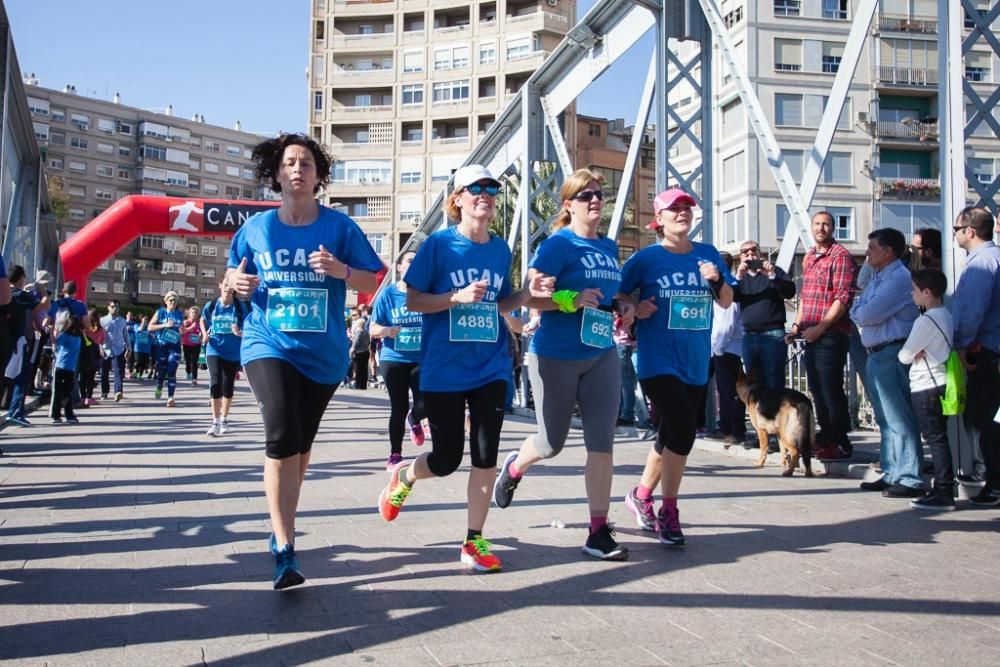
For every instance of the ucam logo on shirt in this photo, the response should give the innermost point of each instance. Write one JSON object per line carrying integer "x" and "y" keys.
{"x": 463, "y": 277}
{"x": 671, "y": 282}
{"x": 598, "y": 266}
{"x": 278, "y": 266}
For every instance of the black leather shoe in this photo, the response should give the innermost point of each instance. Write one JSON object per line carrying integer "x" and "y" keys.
{"x": 878, "y": 485}
{"x": 900, "y": 491}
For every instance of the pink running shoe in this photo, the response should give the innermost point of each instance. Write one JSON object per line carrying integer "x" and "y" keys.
{"x": 416, "y": 429}
{"x": 394, "y": 458}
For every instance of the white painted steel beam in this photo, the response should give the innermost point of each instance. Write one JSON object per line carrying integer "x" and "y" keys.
{"x": 638, "y": 132}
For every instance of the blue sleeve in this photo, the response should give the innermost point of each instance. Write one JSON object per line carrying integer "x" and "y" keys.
{"x": 873, "y": 307}
{"x": 239, "y": 249}
{"x": 974, "y": 289}
{"x": 3, "y": 268}
{"x": 421, "y": 272}
{"x": 380, "y": 311}
{"x": 547, "y": 257}
{"x": 360, "y": 254}
{"x": 631, "y": 275}
{"x": 206, "y": 315}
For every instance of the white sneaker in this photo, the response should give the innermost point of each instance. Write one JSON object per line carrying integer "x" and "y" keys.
{"x": 223, "y": 428}
{"x": 214, "y": 429}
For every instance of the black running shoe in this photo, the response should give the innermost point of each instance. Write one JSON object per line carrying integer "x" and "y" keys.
{"x": 939, "y": 502}
{"x": 504, "y": 487}
{"x": 602, "y": 545}
{"x": 988, "y": 497}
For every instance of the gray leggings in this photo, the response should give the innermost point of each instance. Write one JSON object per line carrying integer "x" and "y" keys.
{"x": 559, "y": 384}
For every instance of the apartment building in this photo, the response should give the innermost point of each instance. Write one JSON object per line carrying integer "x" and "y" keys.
{"x": 400, "y": 91}
{"x": 103, "y": 151}
{"x": 601, "y": 145}
{"x": 882, "y": 170}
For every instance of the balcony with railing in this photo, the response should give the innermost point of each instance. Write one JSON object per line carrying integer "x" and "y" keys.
{"x": 888, "y": 75}
{"x": 910, "y": 24}
{"x": 370, "y": 7}
{"x": 916, "y": 189}
{"x": 907, "y": 132}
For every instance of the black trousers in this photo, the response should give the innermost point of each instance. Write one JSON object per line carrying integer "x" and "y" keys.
{"x": 732, "y": 412}
{"x": 360, "y": 364}
{"x": 677, "y": 404}
{"x": 446, "y": 412}
{"x": 981, "y": 406}
{"x": 401, "y": 379}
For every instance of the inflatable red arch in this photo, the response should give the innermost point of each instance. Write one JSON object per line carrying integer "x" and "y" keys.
{"x": 136, "y": 215}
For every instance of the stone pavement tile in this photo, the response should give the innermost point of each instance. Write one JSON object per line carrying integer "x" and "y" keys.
{"x": 620, "y": 655}
{"x": 61, "y": 644}
{"x": 490, "y": 649}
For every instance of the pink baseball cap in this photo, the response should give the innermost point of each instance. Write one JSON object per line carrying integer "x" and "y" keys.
{"x": 668, "y": 198}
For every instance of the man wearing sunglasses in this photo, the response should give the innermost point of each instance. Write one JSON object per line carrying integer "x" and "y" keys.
{"x": 763, "y": 288}
{"x": 977, "y": 339}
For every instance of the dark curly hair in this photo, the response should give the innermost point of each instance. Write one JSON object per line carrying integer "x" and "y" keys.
{"x": 268, "y": 155}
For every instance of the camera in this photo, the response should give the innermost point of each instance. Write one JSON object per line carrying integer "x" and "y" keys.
{"x": 754, "y": 264}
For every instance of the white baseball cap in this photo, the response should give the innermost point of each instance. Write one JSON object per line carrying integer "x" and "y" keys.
{"x": 472, "y": 173}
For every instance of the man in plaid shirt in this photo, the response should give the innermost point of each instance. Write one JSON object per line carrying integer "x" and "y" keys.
{"x": 828, "y": 274}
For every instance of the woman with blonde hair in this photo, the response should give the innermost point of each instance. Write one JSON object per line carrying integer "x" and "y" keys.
{"x": 573, "y": 358}
{"x": 460, "y": 281}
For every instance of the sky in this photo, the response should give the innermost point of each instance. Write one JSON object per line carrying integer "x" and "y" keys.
{"x": 229, "y": 60}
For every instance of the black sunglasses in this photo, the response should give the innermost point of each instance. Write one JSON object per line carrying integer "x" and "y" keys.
{"x": 588, "y": 195}
{"x": 479, "y": 188}
{"x": 959, "y": 228}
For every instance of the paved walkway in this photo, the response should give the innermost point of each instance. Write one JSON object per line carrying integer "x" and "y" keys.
{"x": 132, "y": 538}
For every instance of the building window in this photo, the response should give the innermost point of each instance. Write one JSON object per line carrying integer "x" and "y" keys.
{"x": 594, "y": 130}
{"x": 788, "y": 55}
{"x": 487, "y": 53}
{"x": 108, "y": 149}
{"x": 832, "y": 55}
{"x": 451, "y": 91}
{"x": 734, "y": 173}
{"x": 212, "y": 167}
{"x": 124, "y": 151}
{"x": 787, "y": 7}
{"x": 123, "y": 128}
{"x": 99, "y": 286}
{"x": 41, "y": 131}
{"x": 191, "y": 248}
{"x": 57, "y": 138}
{"x": 410, "y": 177}
{"x": 151, "y": 242}
{"x": 209, "y": 251}
{"x": 518, "y": 47}
{"x": 835, "y": 9}
{"x": 124, "y": 173}
{"x": 106, "y": 125}
{"x": 78, "y": 142}
{"x": 104, "y": 193}
{"x": 56, "y": 163}
{"x": 80, "y": 121}
{"x": 378, "y": 243}
{"x": 207, "y": 293}
{"x": 837, "y": 169}
{"x": 207, "y": 272}
{"x": 232, "y": 171}
{"x": 153, "y": 152}
{"x": 105, "y": 170}
{"x": 413, "y": 94}
{"x": 78, "y": 167}
{"x": 38, "y": 107}
{"x": 318, "y": 101}
{"x": 212, "y": 146}
{"x": 233, "y": 151}
{"x": 413, "y": 61}
{"x": 734, "y": 226}
{"x": 77, "y": 214}
{"x": 58, "y": 115}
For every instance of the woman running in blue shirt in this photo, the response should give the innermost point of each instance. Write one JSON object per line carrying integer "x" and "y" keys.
{"x": 677, "y": 280}
{"x": 400, "y": 332}
{"x": 166, "y": 324}
{"x": 460, "y": 281}
{"x": 573, "y": 358}
{"x": 294, "y": 264}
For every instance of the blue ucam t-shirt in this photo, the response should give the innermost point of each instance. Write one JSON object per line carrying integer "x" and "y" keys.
{"x": 577, "y": 263}
{"x": 677, "y": 338}
{"x": 297, "y": 314}
{"x": 222, "y": 342}
{"x": 465, "y": 346}
{"x": 390, "y": 311}
{"x": 143, "y": 341}
{"x": 169, "y": 336}
{"x": 67, "y": 351}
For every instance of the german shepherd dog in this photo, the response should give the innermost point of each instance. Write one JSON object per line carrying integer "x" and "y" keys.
{"x": 785, "y": 413}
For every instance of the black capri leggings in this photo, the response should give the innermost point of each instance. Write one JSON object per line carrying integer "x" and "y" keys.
{"x": 191, "y": 354}
{"x": 291, "y": 405}
{"x": 678, "y": 405}
{"x": 222, "y": 376}
{"x": 400, "y": 379}
{"x": 446, "y": 412}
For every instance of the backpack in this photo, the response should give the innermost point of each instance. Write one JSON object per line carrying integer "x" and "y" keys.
{"x": 240, "y": 314}
{"x": 75, "y": 322}
{"x": 953, "y": 401}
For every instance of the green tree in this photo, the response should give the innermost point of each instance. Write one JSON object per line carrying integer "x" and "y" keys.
{"x": 59, "y": 198}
